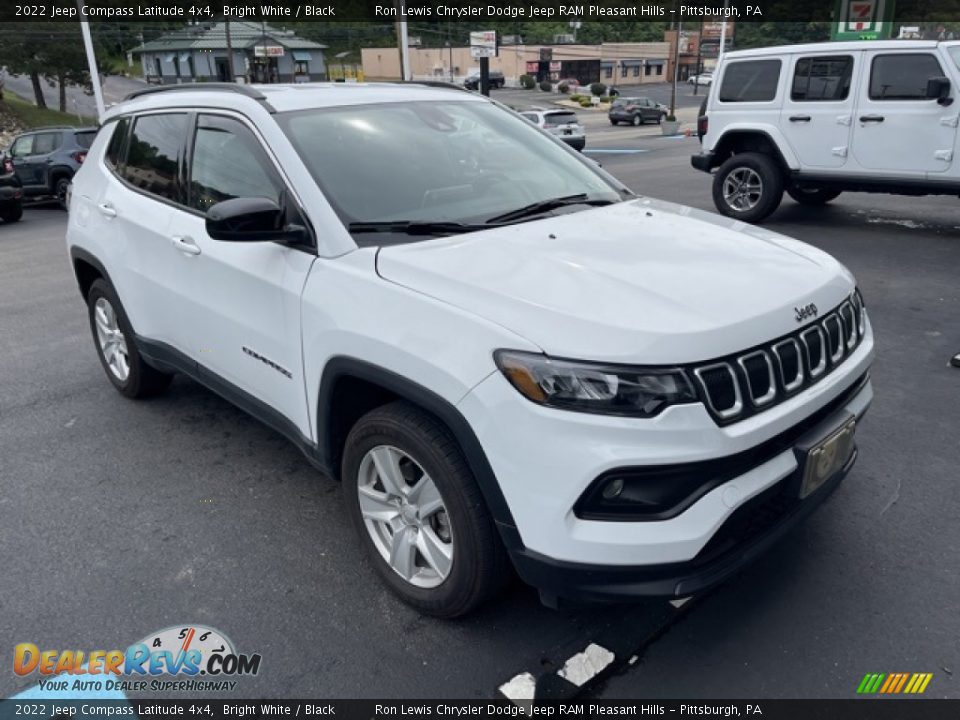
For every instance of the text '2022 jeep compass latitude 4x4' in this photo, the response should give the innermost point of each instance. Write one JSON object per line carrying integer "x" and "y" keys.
{"x": 503, "y": 353}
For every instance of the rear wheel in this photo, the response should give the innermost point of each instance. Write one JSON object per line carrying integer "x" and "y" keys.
{"x": 116, "y": 345}
{"x": 60, "y": 188}
{"x": 812, "y": 196}
{"x": 748, "y": 187}
{"x": 419, "y": 512}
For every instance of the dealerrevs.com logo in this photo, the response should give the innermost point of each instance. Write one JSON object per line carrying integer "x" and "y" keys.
{"x": 175, "y": 658}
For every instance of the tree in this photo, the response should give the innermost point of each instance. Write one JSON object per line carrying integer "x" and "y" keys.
{"x": 21, "y": 55}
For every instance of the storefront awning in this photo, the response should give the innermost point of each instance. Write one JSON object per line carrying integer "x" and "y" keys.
{"x": 606, "y": 64}
{"x": 656, "y": 62}
{"x": 301, "y": 56}
{"x": 631, "y": 63}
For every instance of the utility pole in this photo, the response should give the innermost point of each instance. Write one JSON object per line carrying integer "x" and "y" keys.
{"x": 723, "y": 32}
{"x": 696, "y": 83}
{"x": 233, "y": 75}
{"x": 91, "y": 61}
{"x": 676, "y": 70}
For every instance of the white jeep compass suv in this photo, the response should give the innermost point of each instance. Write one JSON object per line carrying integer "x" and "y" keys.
{"x": 503, "y": 354}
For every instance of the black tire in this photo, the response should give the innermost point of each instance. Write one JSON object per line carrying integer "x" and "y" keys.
{"x": 769, "y": 194}
{"x": 142, "y": 380}
{"x": 12, "y": 214}
{"x": 812, "y": 196}
{"x": 480, "y": 565}
{"x": 659, "y": 118}
{"x": 614, "y": 122}
{"x": 637, "y": 120}
{"x": 60, "y": 188}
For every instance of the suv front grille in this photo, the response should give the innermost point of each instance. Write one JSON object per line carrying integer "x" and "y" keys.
{"x": 741, "y": 385}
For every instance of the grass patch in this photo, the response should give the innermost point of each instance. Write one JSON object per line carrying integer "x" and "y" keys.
{"x": 30, "y": 116}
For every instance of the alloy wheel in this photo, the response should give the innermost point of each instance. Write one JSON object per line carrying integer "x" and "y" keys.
{"x": 742, "y": 189}
{"x": 405, "y": 516}
{"x": 113, "y": 344}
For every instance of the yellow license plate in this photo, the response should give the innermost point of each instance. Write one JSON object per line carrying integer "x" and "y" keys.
{"x": 827, "y": 458}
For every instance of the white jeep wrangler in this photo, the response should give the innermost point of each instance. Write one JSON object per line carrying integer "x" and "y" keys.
{"x": 819, "y": 119}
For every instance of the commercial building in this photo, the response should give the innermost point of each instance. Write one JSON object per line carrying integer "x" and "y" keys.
{"x": 261, "y": 54}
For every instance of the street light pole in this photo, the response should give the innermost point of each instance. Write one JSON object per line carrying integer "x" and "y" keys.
{"x": 91, "y": 61}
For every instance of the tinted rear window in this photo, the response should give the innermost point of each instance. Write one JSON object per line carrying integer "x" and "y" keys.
{"x": 85, "y": 139}
{"x": 153, "y": 154}
{"x": 750, "y": 81}
{"x": 822, "y": 78}
{"x": 560, "y": 118}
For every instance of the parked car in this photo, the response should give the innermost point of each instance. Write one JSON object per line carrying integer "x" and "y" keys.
{"x": 636, "y": 110}
{"x": 503, "y": 354}
{"x": 11, "y": 193}
{"x": 816, "y": 120}
{"x": 562, "y": 123}
{"x": 705, "y": 79}
{"x": 46, "y": 159}
{"x": 571, "y": 83}
{"x": 472, "y": 82}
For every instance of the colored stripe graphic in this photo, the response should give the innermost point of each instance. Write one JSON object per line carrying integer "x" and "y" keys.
{"x": 894, "y": 683}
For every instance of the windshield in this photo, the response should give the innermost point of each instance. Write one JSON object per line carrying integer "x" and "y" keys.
{"x": 432, "y": 162}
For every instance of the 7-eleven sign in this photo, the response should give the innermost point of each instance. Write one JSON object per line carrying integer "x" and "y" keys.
{"x": 861, "y": 15}
{"x": 863, "y": 19}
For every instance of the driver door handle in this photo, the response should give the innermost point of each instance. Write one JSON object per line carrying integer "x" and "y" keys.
{"x": 799, "y": 118}
{"x": 106, "y": 209}
{"x": 871, "y": 118}
{"x": 185, "y": 244}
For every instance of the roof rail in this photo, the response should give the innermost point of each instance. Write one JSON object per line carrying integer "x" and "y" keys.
{"x": 222, "y": 86}
{"x": 436, "y": 84}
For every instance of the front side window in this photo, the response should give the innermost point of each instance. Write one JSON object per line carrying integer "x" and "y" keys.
{"x": 453, "y": 161}
{"x": 152, "y": 158}
{"x": 902, "y": 76}
{"x": 750, "y": 81}
{"x": 228, "y": 162}
{"x": 23, "y": 147}
{"x": 822, "y": 78}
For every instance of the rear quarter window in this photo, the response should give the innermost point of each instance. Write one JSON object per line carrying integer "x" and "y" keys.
{"x": 750, "y": 81}
{"x": 85, "y": 139}
{"x": 118, "y": 141}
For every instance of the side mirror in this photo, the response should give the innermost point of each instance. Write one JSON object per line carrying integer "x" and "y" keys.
{"x": 938, "y": 88}
{"x": 251, "y": 219}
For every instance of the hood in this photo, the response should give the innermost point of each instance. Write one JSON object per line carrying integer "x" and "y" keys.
{"x": 643, "y": 281}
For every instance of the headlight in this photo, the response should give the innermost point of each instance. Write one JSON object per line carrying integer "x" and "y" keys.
{"x": 595, "y": 388}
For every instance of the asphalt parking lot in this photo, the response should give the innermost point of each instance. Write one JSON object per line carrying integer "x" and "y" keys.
{"x": 119, "y": 518}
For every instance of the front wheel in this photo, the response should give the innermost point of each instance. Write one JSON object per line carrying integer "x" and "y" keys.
{"x": 614, "y": 122}
{"x": 812, "y": 196}
{"x": 419, "y": 512}
{"x": 636, "y": 120}
{"x": 748, "y": 187}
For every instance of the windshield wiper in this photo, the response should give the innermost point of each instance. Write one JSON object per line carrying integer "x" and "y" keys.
{"x": 414, "y": 227}
{"x": 547, "y": 205}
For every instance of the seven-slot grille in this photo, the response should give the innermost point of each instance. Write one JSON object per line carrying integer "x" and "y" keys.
{"x": 741, "y": 385}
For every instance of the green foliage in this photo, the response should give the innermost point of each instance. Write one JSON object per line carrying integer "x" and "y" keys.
{"x": 585, "y": 103}
{"x": 564, "y": 87}
{"x": 598, "y": 88}
{"x": 546, "y": 86}
{"x": 528, "y": 82}
{"x": 31, "y": 116}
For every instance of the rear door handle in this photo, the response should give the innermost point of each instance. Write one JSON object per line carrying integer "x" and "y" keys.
{"x": 871, "y": 118}
{"x": 106, "y": 209}
{"x": 185, "y": 244}
{"x": 799, "y": 118}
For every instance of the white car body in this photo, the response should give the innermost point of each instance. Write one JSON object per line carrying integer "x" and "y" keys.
{"x": 843, "y": 116}
{"x": 641, "y": 282}
{"x": 556, "y": 122}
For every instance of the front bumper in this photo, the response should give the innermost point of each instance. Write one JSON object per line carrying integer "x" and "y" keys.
{"x": 703, "y": 161}
{"x": 545, "y": 458}
{"x": 746, "y": 534}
